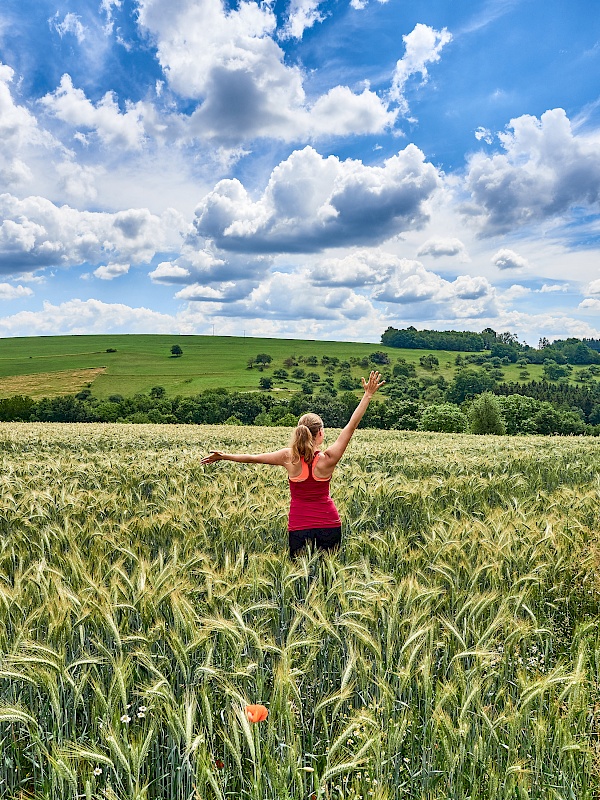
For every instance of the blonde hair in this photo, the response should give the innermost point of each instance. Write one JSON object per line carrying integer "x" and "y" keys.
{"x": 302, "y": 442}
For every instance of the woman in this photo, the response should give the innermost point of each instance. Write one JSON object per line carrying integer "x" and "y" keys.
{"x": 313, "y": 516}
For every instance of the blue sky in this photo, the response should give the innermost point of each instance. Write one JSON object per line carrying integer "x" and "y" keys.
{"x": 299, "y": 168}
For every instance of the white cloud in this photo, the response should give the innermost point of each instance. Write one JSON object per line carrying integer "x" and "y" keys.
{"x": 18, "y": 126}
{"x": 10, "y": 292}
{"x": 284, "y": 296}
{"x": 71, "y": 24}
{"x": 113, "y": 127}
{"x": 554, "y": 287}
{"x": 15, "y": 173}
{"x": 228, "y": 60}
{"x": 438, "y": 247}
{"x": 544, "y": 171}
{"x": 107, "y": 6}
{"x": 424, "y": 294}
{"x": 76, "y": 181}
{"x": 31, "y": 157}
{"x": 312, "y": 203}
{"x": 593, "y": 287}
{"x": 484, "y": 134}
{"x": 590, "y": 304}
{"x": 170, "y": 272}
{"x": 78, "y": 317}
{"x": 515, "y": 291}
{"x": 423, "y": 46}
{"x": 302, "y": 14}
{"x": 111, "y": 271}
{"x": 508, "y": 259}
{"x": 365, "y": 267}
{"x": 198, "y": 268}
{"x": 35, "y": 233}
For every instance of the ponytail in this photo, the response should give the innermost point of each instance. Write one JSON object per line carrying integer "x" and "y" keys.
{"x": 302, "y": 443}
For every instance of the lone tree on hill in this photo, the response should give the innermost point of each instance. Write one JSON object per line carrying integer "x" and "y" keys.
{"x": 176, "y": 351}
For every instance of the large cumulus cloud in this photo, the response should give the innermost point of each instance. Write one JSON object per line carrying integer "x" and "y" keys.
{"x": 228, "y": 60}
{"x": 35, "y": 233}
{"x": 311, "y": 203}
{"x": 545, "y": 170}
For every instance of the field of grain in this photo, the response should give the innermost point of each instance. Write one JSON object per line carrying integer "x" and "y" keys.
{"x": 450, "y": 650}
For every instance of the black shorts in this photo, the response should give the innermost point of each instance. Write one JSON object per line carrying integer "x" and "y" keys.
{"x": 321, "y": 538}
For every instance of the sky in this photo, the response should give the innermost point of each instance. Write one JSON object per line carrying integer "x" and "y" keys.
{"x": 300, "y": 169}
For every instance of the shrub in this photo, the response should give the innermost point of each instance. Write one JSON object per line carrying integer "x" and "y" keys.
{"x": 263, "y": 419}
{"x": 379, "y": 357}
{"x": 348, "y": 383}
{"x": 444, "y": 418}
{"x": 485, "y": 415}
{"x": 429, "y": 361}
{"x": 287, "y": 421}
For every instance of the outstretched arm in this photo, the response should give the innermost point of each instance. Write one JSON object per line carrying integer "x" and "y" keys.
{"x": 277, "y": 458}
{"x": 332, "y": 455}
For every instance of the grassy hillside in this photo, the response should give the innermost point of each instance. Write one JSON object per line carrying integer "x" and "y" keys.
{"x": 51, "y": 365}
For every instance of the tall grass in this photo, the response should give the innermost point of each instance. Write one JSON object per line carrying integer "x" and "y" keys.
{"x": 450, "y": 650}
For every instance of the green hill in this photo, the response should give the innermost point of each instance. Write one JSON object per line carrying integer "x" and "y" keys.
{"x": 51, "y": 365}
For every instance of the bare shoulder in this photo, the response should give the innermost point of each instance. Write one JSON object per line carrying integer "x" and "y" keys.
{"x": 286, "y": 454}
{"x": 283, "y": 456}
{"x": 325, "y": 464}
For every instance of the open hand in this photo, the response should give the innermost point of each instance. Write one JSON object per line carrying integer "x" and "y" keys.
{"x": 215, "y": 455}
{"x": 373, "y": 383}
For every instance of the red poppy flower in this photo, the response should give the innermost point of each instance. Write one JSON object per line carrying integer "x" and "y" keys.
{"x": 256, "y": 713}
{"x": 219, "y": 764}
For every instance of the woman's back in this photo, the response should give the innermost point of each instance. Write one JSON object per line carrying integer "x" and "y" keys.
{"x": 311, "y": 504}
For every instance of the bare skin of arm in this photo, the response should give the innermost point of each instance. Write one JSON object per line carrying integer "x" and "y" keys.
{"x": 279, "y": 458}
{"x": 330, "y": 457}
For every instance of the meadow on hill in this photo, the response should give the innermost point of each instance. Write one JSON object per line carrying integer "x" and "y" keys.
{"x": 450, "y": 650}
{"x": 46, "y": 366}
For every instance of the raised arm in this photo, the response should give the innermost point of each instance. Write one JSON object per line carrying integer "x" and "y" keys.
{"x": 277, "y": 458}
{"x": 332, "y": 455}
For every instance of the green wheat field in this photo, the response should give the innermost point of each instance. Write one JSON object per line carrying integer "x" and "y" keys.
{"x": 451, "y": 650}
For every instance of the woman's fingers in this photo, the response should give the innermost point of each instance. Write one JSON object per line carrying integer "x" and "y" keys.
{"x": 215, "y": 455}
{"x": 373, "y": 383}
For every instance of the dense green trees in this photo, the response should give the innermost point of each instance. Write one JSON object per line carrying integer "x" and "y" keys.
{"x": 468, "y": 383}
{"x": 426, "y": 402}
{"x": 497, "y": 345}
{"x": 433, "y": 340}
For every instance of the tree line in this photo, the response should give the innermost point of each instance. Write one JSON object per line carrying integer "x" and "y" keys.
{"x": 468, "y": 403}
{"x": 502, "y": 345}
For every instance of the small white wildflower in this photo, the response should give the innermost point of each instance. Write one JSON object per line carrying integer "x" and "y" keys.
{"x": 140, "y": 715}
{"x": 125, "y": 718}
{"x": 142, "y": 709}
{"x": 98, "y": 771}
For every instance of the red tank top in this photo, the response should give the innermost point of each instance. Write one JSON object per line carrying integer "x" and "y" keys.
{"x": 311, "y": 505}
